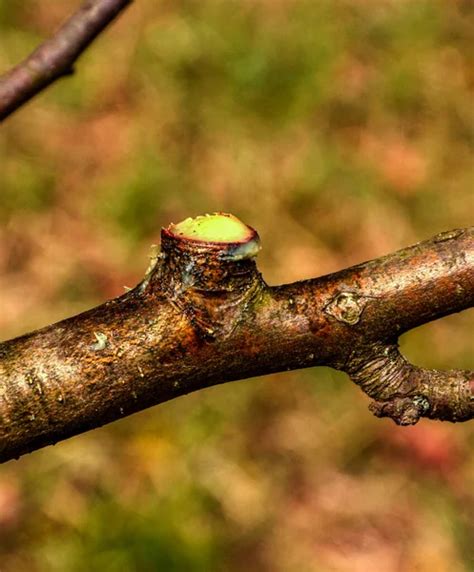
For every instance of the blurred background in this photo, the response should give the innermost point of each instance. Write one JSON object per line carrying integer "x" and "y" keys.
{"x": 341, "y": 130}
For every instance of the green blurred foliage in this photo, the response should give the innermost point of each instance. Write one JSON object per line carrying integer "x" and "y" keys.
{"x": 341, "y": 130}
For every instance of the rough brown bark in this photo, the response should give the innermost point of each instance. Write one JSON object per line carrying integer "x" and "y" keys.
{"x": 203, "y": 315}
{"x": 56, "y": 57}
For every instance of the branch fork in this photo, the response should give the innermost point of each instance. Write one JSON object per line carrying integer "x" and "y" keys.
{"x": 405, "y": 392}
{"x": 203, "y": 315}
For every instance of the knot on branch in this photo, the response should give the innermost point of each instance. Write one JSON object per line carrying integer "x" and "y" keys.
{"x": 207, "y": 270}
{"x": 403, "y": 410}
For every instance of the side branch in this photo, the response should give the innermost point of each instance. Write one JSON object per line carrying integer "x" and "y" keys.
{"x": 406, "y": 392}
{"x": 203, "y": 315}
{"x": 55, "y": 58}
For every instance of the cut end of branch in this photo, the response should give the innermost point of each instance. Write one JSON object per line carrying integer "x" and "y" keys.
{"x": 216, "y": 227}
{"x": 216, "y": 232}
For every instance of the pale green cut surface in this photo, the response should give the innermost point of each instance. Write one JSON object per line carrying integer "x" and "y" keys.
{"x": 217, "y": 227}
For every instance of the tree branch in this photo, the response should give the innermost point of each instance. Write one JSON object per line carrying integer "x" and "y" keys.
{"x": 55, "y": 58}
{"x": 203, "y": 316}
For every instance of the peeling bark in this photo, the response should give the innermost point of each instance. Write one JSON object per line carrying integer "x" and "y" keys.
{"x": 203, "y": 315}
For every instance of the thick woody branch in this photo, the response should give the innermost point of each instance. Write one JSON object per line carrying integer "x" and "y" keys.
{"x": 203, "y": 316}
{"x": 56, "y": 57}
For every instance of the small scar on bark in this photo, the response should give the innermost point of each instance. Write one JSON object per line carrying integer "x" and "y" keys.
{"x": 346, "y": 307}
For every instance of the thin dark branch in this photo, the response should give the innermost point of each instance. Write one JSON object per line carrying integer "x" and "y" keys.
{"x": 56, "y": 57}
